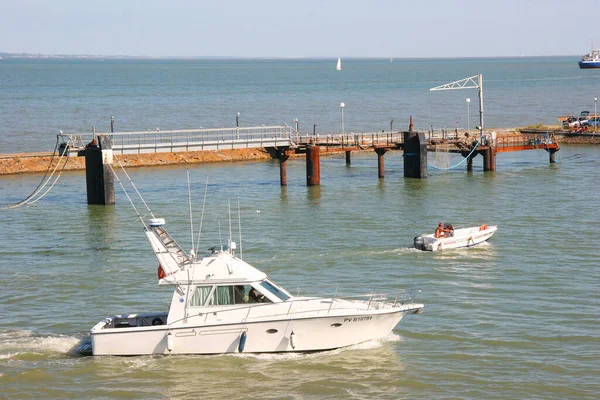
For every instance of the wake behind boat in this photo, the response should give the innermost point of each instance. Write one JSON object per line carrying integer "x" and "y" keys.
{"x": 221, "y": 304}
{"x": 464, "y": 237}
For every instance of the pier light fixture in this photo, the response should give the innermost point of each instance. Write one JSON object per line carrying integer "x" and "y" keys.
{"x": 468, "y": 112}
{"x": 392, "y": 126}
{"x": 296, "y": 122}
{"x": 342, "y": 105}
{"x": 596, "y": 120}
{"x": 237, "y": 120}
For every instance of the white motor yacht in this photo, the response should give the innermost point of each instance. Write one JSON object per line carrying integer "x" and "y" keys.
{"x": 221, "y": 304}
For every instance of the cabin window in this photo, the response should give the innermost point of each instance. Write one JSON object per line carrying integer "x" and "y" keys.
{"x": 200, "y": 295}
{"x": 275, "y": 290}
{"x": 229, "y": 295}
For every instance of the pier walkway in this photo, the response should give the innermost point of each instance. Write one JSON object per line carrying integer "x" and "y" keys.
{"x": 173, "y": 141}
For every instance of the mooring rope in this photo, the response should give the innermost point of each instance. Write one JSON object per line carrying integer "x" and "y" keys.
{"x": 133, "y": 185}
{"x": 53, "y": 183}
{"x": 30, "y": 199}
{"x": 127, "y": 194}
{"x": 461, "y": 162}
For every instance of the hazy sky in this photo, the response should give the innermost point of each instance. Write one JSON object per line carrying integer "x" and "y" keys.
{"x": 300, "y": 28}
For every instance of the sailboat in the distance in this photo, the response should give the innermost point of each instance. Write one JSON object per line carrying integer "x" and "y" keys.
{"x": 339, "y": 64}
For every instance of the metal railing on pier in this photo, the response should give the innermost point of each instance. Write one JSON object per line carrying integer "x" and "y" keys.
{"x": 189, "y": 139}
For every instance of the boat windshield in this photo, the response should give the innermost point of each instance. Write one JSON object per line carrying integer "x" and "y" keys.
{"x": 272, "y": 288}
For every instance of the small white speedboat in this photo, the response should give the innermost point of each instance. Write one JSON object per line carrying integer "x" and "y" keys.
{"x": 464, "y": 237}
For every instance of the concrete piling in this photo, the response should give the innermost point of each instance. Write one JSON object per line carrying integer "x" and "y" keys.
{"x": 415, "y": 155}
{"x": 98, "y": 173}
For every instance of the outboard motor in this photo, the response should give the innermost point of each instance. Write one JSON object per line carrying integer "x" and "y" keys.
{"x": 419, "y": 243}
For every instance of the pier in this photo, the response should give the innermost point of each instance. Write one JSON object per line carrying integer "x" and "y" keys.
{"x": 95, "y": 152}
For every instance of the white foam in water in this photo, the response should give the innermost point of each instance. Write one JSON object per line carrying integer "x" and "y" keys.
{"x": 368, "y": 345}
{"x": 15, "y": 342}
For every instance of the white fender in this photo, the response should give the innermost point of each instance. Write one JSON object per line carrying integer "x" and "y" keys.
{"x": 170, "y": 341}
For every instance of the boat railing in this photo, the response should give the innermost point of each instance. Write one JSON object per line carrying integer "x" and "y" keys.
{"x": 374, "y": 298}
{"x": 372, "y": 294}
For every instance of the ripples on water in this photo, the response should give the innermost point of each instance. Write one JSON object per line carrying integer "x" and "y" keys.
{"x": 515, "y": 318}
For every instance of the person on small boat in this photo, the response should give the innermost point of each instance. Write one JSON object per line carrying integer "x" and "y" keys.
{"x": 444, "y": 231}
{"x": 449, "y": 230}
{"x": 440, "y": 232}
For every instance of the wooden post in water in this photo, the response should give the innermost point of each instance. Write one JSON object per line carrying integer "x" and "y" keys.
{"x": 98, "y": 173}
{"x": 348, "y": 160}
{"x": 470, "y": 162}
{"x": 552, "y": 153}
{"x": 489, "y": 159}
{"x": 380, "y": 162}
{"x": 283, "y": 157}
{"x": 313, "y": 172}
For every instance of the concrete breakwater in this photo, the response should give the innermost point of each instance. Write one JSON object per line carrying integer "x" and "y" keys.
{"x": 40, "y": 162}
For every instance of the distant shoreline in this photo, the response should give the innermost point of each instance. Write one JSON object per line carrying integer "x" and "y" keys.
{"x": 40, "y": 56}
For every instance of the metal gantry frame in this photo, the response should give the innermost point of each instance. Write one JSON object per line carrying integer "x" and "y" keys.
{"x": 473, "y": 82}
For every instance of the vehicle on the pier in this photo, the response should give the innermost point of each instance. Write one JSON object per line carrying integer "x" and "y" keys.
{"x": 575, "y": 122}
{"x": 221, "y": 304}
{"x": 594, "y": 121}
{"x": 455, "y": 238}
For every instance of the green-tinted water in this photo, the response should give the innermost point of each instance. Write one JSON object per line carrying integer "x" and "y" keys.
{"x": 516, "y": 318}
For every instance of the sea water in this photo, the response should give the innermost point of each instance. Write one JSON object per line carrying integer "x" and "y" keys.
{"x": 39, "y": 98}
{"x": 516, "y": 317}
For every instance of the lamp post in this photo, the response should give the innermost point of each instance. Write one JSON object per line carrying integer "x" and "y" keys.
{"x": 296, "y": 121}
{"x": 596, "y": 120}
{"x": 468, "y": 104}
{"x": 391, "y": 126}
{"x": 342, "y": 105}
{"x": 237, "y": 120}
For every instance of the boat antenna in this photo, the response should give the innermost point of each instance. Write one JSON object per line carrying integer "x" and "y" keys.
{"x": 202, "y": 215}
{"x": 191, "y": 217}
{"x": 220, "y": 237}
{"x": 229, "y": 211}
{"x": 240, "y": 229}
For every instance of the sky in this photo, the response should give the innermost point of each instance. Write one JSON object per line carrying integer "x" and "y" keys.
{"x": 300, "y": 28}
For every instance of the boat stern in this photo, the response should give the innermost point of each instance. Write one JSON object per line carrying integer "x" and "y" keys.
{"x": 130, "y": 334}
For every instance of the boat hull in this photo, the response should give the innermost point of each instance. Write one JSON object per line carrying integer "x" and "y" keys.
{"x": 283, "y": 335}
{"x": 466, "y": 237}
{"x": 589, "y": 64}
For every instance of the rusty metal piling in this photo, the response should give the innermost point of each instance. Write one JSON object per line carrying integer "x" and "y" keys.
{"x": 313, "y": 172}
